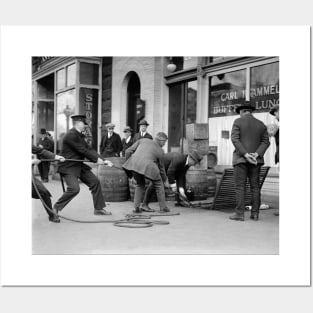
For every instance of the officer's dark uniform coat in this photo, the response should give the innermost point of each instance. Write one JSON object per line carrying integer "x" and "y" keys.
{"x": 75, "y": 147}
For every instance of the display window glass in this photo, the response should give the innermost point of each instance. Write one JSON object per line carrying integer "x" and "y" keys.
{"x": 89, "y": 73}
{"x": 191, "y": 113}
{"x": 264, "y": 86}
{"x": 71, "y": 75}
{"x": 61, "y": 79}
{"x": 227, "y": 90}
{"x": 66, "y": 103}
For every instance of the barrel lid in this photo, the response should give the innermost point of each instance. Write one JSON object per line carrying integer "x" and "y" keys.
{"x": 212, "y": 160}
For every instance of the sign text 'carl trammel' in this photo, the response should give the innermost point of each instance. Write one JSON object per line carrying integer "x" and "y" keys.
{"x": 224, "y": 102}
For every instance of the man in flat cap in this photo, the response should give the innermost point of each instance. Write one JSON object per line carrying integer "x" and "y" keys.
{"x": 111, "y": 144}
{"x": 75, "y": 147}
{"x": 128, "y": 140}
{"x": 45, "y": 142}
{"x": 144, "y": 160}
{"x": 250, "y": 138}
{"x": 176, "y": 166}
{"x": 143, "y": 125}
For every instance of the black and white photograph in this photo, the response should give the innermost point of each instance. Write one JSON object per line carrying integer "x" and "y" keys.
{"x": 155, "y": 155}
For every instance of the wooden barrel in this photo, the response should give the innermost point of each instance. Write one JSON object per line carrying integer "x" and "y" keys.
{"x": 212, "y": 159}
{"x": 212, "y": 182}
{"x": 114, "y": 181}
{"x": 197, "y": 181}
{"x": 169, "y": 196}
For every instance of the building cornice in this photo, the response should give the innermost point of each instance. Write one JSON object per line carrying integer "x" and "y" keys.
{"x": 51, "y": 65}
{"x": 192, "y": 73}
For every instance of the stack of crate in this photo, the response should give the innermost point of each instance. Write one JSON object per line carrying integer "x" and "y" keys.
{"x": 197, "y": 138}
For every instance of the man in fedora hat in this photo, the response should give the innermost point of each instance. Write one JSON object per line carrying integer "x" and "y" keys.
{"x": 45, "y": 142}
{"x": 143, "y": 125}
{"x": 111, "y": 144}
{"x": 75, "y": 147}
{"x": 176, "y": 166}
{"x": 144, "y": 160}
{"x": 250, "y": 139}
{"x": 128, "y": 140}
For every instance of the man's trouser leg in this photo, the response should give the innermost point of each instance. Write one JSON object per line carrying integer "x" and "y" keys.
{"x": 139, "y": 190}
{"x": 254, "y": 177}
{"x": 148, "y": 194}
{"x": 44, "y": 193}
{"x": 71, "y": 191}
{"x": 240, "y": 178}
{"x": 159, "y": 189}
{"x": 91, "y": 180}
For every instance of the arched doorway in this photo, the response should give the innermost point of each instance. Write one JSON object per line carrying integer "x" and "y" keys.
{"x": 135, "y": 107}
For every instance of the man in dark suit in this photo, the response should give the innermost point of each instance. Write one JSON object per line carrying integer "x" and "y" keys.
{"x": 128, "y": 140}
{"x": 144, "y": 160}
{"x": 176, "y": 166}
{"x": 111, "y": 144}
{"x": 75, "y": 147}
{"x": 45, "y": 142}
{"x": 250, "y": 138}
{"x": 143, "y": 125}
{"x": 38, "y": 189}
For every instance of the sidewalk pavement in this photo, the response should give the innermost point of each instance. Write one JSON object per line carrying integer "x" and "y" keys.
{"x": 194, "y": 231}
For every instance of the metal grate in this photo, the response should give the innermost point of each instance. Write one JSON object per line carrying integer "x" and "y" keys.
{"x": 225, "y": 197}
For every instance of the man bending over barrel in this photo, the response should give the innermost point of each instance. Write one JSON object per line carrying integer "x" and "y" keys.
{"x": 76, "y": 148}
{"x": 176, "y": 166}
{"x": 145, "y": 161}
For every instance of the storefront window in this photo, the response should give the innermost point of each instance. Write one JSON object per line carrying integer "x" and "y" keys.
{"x": 45, "y": 115}
{"x": 71, "y": 75}
{"x": 182, "y": 111}
{"x": 191, "y": 113}
{"x": 89, "y": 73}
{"x": 264, "y": 88}
{"x": 65, "y": 108}
{"x": 226, "y": 91}
{"x": 61, "y": 79}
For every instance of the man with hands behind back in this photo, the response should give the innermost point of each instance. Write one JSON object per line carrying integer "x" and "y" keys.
{"x": 250, "y": 138}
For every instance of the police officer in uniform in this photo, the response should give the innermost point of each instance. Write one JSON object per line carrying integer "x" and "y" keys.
{"x": 75, "y": 147}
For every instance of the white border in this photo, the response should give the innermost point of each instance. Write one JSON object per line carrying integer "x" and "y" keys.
{"x": 290, "y": 43}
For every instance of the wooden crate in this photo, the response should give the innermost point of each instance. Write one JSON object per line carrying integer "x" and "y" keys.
{"x": 197, "y": 131}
